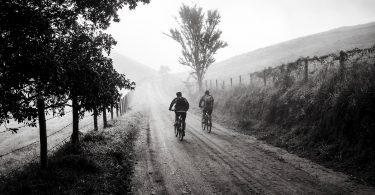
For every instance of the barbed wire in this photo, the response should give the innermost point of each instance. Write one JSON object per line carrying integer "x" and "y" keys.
{"x": 35, "y": 157}
{"x": 58, "y": 116}
{"x": 54, "y": 133}
{"x": 15, "y": 129}
{"x": 61, "y": 143}
{"x": 59, "y": 130}
{"x": 234, "y": 79}
{"x": 18, "y": 149}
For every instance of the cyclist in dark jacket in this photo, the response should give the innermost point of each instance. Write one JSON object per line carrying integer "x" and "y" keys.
{"x": 180, "y": 108}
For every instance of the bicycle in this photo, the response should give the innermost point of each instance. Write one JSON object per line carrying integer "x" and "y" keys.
{"x": 206, "y": 122}
{"x": 179, "y": 128}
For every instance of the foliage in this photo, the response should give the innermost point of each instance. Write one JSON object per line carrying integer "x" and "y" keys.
{"x": 50, "y": 48}
{"x": 199, "y": 37}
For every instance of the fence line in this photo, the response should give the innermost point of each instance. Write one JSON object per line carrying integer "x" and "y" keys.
{"x": 15, "y": 129}
{"x": 300, "y": 70}
{"x": 124, "y": 106}
{"x": 18, "y": 149}
{"x": 35, "y": 157}
{"x": 37, "y": 141}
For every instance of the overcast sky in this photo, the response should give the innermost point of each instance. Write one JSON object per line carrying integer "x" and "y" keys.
{"x": 246, "y": 24}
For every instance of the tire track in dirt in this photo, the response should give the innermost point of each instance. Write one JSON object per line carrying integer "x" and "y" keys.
{"x": 255, "y": 177}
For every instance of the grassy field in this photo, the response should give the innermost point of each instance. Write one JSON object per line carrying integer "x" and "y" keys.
{"x": 102, "y": 165}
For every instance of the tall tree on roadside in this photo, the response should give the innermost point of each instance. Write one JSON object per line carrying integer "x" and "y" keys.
{"x": 30, "y": 66}
{"x": 29, "y": 70}
{"x": 199, "y": 37}
{"x": 105, "y": 88}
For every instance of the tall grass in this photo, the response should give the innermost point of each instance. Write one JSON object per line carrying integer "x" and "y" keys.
{"x": 330, "y": 119}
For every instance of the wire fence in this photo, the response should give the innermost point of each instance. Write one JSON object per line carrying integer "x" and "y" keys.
{"x": 300, "y": 70}
{"x": 122, "y": 107}
{"x": 15, "y": 129}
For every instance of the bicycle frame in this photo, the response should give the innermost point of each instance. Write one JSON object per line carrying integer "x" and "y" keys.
{"x": 179, "y": 128}
{"x": 206, "y": 123}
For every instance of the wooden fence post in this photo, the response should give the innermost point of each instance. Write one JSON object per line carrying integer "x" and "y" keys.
{"x": 231, "y": 82}
{"x": 264, "y": 77}
{"x": 240, "y": 80}
{"x": 342, "y": 59}
{"x": 306, "y": 78}
{"x": 223, "y": 84}
{"x": 216, "y": 85}
{"x": 210, "y": 84}
{"x": 206, "y": 84}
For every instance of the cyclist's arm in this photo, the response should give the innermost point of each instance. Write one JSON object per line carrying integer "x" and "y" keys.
{"x": 187, "y": 105}
{"x": 172, "y": 103}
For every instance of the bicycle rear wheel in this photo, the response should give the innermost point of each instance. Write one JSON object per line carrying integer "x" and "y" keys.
{"x": 180, "y": 135}
{"x": 205, "y": 123}
{"x": 176, "y": 130}
{"x": 209, "y": 126}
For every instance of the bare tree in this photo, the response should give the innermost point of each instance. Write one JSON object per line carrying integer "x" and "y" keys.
{"x": 199, "y": 37}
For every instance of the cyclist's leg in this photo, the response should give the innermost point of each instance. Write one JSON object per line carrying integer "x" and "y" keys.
{"x": 203, "y": 113}
{"x": 183, "y": 116}
{"x": 209, "y": 114}
{"x": 175, "y": 117}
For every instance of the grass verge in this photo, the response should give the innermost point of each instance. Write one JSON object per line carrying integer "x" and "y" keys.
{"x": 328, "y": 120}
{"x": 103, "y": 164}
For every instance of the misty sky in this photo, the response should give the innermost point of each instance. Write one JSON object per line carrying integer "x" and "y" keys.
{"x": 246, "y": 24}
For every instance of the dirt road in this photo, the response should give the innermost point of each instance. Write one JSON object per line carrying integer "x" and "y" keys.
{"x": 220, "y": 162}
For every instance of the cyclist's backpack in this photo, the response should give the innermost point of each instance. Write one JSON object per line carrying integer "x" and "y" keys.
{"x": 208, "y": 101}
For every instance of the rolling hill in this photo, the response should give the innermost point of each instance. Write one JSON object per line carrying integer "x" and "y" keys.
{"x": 133, "y": 70}
{"x": 343, "y": 38}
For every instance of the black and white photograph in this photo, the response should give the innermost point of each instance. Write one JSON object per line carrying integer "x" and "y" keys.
{"x": 157, "y": 97}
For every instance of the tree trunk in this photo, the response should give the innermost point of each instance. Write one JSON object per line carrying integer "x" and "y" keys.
{"x": 42, "y": 133}
{"x": 200, "y": 79}
{"x": 105, "y": 125}
{"x": 111, "y": 112}
{"x": 120, "y": 106}
{"x": 96, "y": 119}
{"x": 123, "y": 105}
{"x": 117, "y": 110}
{"x": 75, "y": 120}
